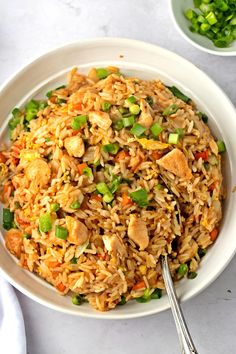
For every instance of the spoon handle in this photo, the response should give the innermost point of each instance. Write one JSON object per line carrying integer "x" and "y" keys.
{"x": 186, "y": 343}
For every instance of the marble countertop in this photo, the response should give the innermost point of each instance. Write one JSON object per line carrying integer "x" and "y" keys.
{"x": 28, "y": 29}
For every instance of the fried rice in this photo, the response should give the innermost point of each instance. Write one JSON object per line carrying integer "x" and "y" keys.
{"x": 105, "y": 176}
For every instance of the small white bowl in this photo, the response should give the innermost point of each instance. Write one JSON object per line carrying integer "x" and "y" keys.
{"x": 148, "y": 62}
{"x": 177, "y": 8}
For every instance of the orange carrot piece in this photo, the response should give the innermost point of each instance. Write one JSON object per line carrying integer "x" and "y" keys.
{"x": 126, "y": 201}
{"x": 139, "y": 285}
{"x": 212, "y": 186}
{"x": 54, "y": 264}
{"x": 213, "y": 234}
{"x": 156, "y": 155}
{"x": 61, "y": 287}
{"x": 2, "y": 158}
{"x": 77, "y": 106}
{"x": 121, "y": 155}
{"x": 96, "y": 197}
{"x": 81, "y": 168}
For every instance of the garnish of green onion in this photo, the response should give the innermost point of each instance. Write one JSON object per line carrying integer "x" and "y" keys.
{"x": 179, "y": 131}
{"x": 203, "y": 116}
{"x": 31, "y": 110}
{"x": 106, "y": 106}
{"x": 78, "y": 122}
{"x": 201, "y": 252}
{"x": 128, "y": 121}
{"x": 138, "y": 129}
{"x": 122, "y": 301}
{"x": 140, "y": 197}
{"x": 45, "y": 222}
{"x": 123, "y": 110}
{"x": 87, "y": 171}
{"x": 75, "y": 205}
{"x": 173, "y": 138}
{"x": 145, "y": 298}
{"x": 182, "y": 270}
{"x": 118, "y": 125}
{"x": 73, "y": 260}
{"x": 157, "y": 294}
{"x": 47, "y": 139}
{"x": 134, "y": 109}
{"x": 54, "y": 207}
{"x": 108, "y": 198}
{"x": 61, "y": 232}
{"x": 8, "y": 219}
{"x": 102, "y": 73}
{"x": 192, "y": 275}
{"x": 159, "y": 187}
{"x": 177, "y": 93}
{"x": 77, "y": 300}
{"x": 27, "y": 236}
{"x": 102, "y": 188}
{"x": 130, "y": 100}
{"x": 111, "y": 148}
{"x": 156, "y": 129}
{"x": 173, "y": 108}
{"x": 149, "y": 100}
{"x": 221, "y": 146}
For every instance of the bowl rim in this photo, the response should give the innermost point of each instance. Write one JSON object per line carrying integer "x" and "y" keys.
{"x": 141, "y": 45}
{"x": 191, "y": 41}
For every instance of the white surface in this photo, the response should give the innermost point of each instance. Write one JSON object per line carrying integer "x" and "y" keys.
{"x": 146, "y": 61}
{"x": 22, "y": 37}
{"x": 10, "y": 313}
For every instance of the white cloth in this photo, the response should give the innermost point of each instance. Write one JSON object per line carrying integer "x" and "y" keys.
{"x": 12, "y": 329}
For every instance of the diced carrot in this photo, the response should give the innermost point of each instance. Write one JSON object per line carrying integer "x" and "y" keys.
{"x": 156, "y": 155}
{"x": 77, "y": 106}
{"x": 15, "y": 161}
{"x": 7, "y": 188}
{"x": 54, "y": 264}
{"x": 139, "y": 285}
{"x": 121, "y": 155}
{"x": 212, "y": 186}
{"x": 214, "y": 234}
{"x": 53, "y": 99}
{"x": 126, "y": 201}
{"x": 81, "y": 168}
{"x": 96, "y": 197}
{"x": 202, "y": 154}
{"x": 61, "y": 287}
{"x": 22, "y": 222}
{"x": 2, "y": 158}
{"x": 75, "y": 132}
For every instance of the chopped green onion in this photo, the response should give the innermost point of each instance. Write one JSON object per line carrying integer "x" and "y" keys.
{"x": 173, "y": 138}
{"x": 115, "y": 184}
{"x": 138, "y": 129}
{"x": 78, "y": 122}
{"x": 61, "y": 232}
{"x": 203, "y": 116}
{"x": 111, "y": 148}
{"x": 156, "y": 129}
{"x": 60, "y": 87}
{"x": 45, "y": 222}
{"x": 177, "y": 93}
{"x": 182, "y": 270}
{"x": 31, "y": 110}
{"x": 77, "y": 300}
{"x": 17, "y": 205}
{"x": 106, "y": 106}
{"x": 47, "y": 139}
{"x": 206, "y": 166}
{"x": 128, "y": 121}
{"x": 159, "y": 187}
{"x": 221, "y": 146}
{"x": 157, "y": 294}
{"x": 173, "y": 108}
{"x": 189, "y": 14}
{"x": 134, "y": 109}
{"x": 8, "y": 219}
{"x": 130, "y": 100}
{"x": 123, "y": 110}
{"x": 192, "y": 275}
{"x": 211, "y": 18}
{"x": 87, "y": 171}
{"x": 107, "y": 198}
{"x": 145, "y": 298}
{"x": 102, "y": 73}
{"x": 97, "y": 163}
{"x": 122, "y": 301}
{"x": 75, "y": 205}
{"x": 179, "y": 131}
{"x": 149, "y": 100}
{"x": 140, "y": 197}
{"x": 202, "y": 252}
{"x": 74, "y": 260}
{"x": 27, "y": 236}
{"x": 15, "y": 120}
{"x": 61, "y": 100}
{"x": 54, "y": 207}
{"x": 49, "y": 94}
{"x": 118, "y": 125}
{"x": 102, "y": 188}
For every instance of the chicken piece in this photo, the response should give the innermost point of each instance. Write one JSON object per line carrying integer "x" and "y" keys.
{"x": 38, "y": 172}
{"x": 176, "y": 162}
{"x": 101, "y": 119}
{"x": 145, "y": 117}
{"x": 14, "y": 241}
{"x": 78, "y": 232}
{"x": 137, "y": 231}
{"x": 114, "y": 245}
{"x": 150, "y": 144}
{"x": 74, "y": 146}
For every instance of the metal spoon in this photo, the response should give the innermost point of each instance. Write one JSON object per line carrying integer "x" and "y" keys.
{"x": 186, "y": 343}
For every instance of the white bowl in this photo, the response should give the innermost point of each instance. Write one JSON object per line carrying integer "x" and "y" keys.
{"x": 149, "y": 62}
{"x": 177, "y": 8}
